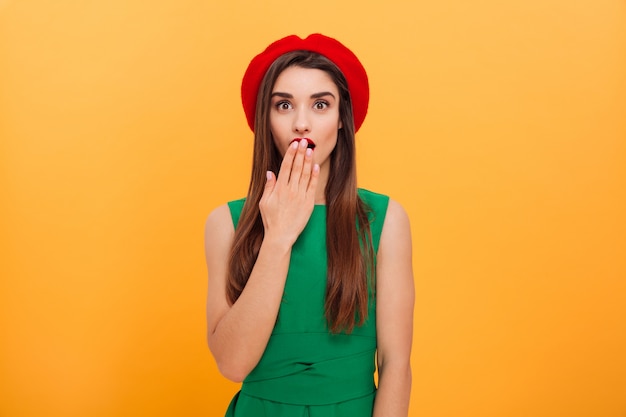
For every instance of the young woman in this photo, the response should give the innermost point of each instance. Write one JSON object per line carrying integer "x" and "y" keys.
{"x": 310, "y": 277}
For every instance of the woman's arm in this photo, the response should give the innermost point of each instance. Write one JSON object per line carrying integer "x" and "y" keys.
{"x": 238, "y": 333}
{"x": 395, "y": 296}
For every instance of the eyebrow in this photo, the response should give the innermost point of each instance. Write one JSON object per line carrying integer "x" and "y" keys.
{"x": 316, "y": 95}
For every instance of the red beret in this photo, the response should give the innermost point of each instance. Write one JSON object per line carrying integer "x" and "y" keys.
{"x": 331, "y": 48}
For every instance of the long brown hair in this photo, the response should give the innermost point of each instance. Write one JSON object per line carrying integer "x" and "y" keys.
{"x": 350, "y": 274}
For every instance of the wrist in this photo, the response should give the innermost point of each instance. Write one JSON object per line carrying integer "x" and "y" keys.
{"x": 277, "y": 243}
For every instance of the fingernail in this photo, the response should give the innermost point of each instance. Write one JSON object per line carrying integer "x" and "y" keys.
{"x": 309, "y": 151}
{"x": 316, "y": 168}
{"x": 294, "y": 145}
{"x": 268, "y": 174}
{"x": 303, "y": 143}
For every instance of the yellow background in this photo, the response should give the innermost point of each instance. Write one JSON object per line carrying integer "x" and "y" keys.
{"x": 500, "y": 126}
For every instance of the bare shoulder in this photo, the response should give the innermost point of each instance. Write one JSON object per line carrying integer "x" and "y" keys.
{"x": 218, "y": 215}
{"x": 396, "y": 214}
{"x": 219, "y": 233}
{"x": 396, "y": 229}
{"x": 395, "y": 251}
{"x": 219, "y": 225}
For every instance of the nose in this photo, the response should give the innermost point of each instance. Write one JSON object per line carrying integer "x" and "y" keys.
{"x": 301, "y": 123}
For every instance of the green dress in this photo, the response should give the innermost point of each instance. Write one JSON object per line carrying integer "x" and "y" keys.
{"x": 305, "y": 370}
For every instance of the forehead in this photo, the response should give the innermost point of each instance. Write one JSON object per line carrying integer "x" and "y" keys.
{"x": 304, "y": 80}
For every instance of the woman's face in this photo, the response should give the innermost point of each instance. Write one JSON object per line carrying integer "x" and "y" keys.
{"x": 305, "y": 104}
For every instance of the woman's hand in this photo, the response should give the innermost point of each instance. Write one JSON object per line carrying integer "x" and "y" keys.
{"x": 287, "y": 202}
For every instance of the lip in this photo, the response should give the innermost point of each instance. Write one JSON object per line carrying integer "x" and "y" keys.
{"x": 310, "y": 142}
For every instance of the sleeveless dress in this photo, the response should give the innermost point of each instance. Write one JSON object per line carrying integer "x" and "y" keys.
{"x": 305, "y": 370}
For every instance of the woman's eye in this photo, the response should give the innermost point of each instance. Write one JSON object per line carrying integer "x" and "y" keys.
{"x": 283, "y": 105}
{"x": 320, "y": 105}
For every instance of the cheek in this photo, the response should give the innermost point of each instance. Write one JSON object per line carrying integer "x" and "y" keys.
{"x": 278, "y": 129}
{"x": 332, "y": 130}
{"x": 277, "y": 145}
{"x": 275, "y": 126}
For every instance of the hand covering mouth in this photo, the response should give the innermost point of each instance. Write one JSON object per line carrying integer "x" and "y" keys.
{"x": 310, "y": 142}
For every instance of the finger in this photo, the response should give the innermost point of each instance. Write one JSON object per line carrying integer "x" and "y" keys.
{"x": 306, "y": 169}
{"x": 271, "y": 180}
{"x": 269, "y": 187}
{"x": 285, "y": 166}
{"x": 298, "y": 163}
{"x": 315, "y": 174}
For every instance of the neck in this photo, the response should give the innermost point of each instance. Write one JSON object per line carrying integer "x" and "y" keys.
{"x": 320, "y": 192}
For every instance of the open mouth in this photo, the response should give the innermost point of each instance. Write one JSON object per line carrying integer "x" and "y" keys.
{"x": 310, "y": 143}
